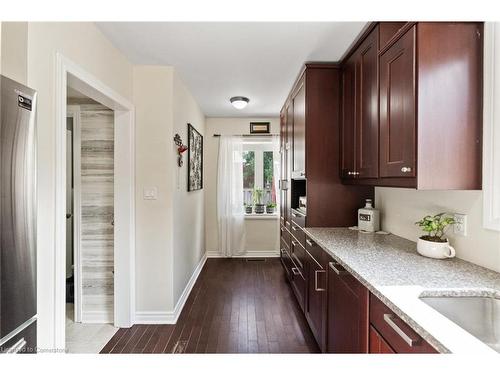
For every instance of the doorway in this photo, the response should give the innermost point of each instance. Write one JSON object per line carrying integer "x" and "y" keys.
{"x": 89, "y": 223}
{"x": 69, "y": 75}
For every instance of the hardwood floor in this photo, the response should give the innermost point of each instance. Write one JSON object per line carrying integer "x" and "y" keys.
{"x": 236, "y": 306}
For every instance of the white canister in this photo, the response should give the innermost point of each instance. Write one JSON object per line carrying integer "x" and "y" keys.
{"x": 369, "y": 218}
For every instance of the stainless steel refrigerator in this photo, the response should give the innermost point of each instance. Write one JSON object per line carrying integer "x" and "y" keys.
{"x": 17, "y": 218}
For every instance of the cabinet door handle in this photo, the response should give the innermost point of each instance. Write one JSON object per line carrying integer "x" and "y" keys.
{"x": 310, "y": 243}
{"x": 406, "y": 169}
{"x": 336, "y": 270}
{"x": 17, "y": 347}
{"x": 316, "y": 281}
{"x": 389, "y": 320}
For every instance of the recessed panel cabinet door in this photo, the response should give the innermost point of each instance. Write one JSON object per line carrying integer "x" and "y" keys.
{"x": 299, "y": 132}
{"x": 397, "y": 108}
{"x": 347, "y": 306}
{"x": 348, "y": 127}
{"x": 367, "y": 108}
{"x": 315, "y": 301}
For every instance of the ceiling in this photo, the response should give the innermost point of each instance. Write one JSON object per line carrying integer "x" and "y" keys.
{"x": 218, "y": 60}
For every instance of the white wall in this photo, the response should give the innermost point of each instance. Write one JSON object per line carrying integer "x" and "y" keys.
{"x": 262, "y": 235}
{"x": 14, "y": 51}
{"x": 84, "y": 44}
{"x": 189, "y": 207}
{"x": 153, "y": 99}
{"x": 401, "y": 208}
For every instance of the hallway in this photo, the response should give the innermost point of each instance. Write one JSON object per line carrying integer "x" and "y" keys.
{"x": 236, "y": 306}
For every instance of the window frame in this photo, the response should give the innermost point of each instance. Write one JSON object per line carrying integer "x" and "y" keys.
{"x": 491, "y": 127}
{"x": 259, "y": 146}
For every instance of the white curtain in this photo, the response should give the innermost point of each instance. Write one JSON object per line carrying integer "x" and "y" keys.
{"x": 230, "y": 211}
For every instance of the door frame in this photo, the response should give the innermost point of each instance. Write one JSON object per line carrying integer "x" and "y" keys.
{"x": 70, "y": 74}
{"x": 73, "y": 111}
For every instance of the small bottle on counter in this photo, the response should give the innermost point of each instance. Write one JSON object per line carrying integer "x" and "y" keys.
{"x": 368, "y": 218}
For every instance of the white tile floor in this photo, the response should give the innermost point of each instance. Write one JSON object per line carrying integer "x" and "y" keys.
{"x": 86, "y": 338}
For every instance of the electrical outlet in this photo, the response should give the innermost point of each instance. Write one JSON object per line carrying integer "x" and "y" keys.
{"x": 460, "y": 226}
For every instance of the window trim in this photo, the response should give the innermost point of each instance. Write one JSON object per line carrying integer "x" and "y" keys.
{"x": 491, "y": 127}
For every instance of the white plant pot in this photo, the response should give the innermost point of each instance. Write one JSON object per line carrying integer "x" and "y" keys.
{"x": 436, "y": 250}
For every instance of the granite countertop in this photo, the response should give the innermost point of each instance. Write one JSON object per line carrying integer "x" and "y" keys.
{"x": 390, "y": 267}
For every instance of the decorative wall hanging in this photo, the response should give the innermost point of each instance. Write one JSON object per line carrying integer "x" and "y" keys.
{"x": 181, "y": 148}
{"x": 195, "y": 159}
{"x": 260, "y": 128}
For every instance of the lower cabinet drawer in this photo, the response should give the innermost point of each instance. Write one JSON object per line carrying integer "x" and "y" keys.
{"x": 298, "y": 283}
{"x": 298, "y": 254}
{"x": 287, "y": 263}
{"x": 377, "y": 343}
{"x": 298, "y": 234}
{"x": 396, "y": 333}
{"x": 285, "y": 236}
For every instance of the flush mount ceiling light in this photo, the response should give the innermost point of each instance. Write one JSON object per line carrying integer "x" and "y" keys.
{"x": 239, "y": 102}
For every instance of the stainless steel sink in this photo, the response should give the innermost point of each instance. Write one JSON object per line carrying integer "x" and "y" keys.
{"x": 480, "y": 316}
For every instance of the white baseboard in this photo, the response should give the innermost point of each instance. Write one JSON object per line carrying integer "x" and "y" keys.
{"x": 97, "y": 317}
{"x": 154, "y": 317}
{"x": 248, "y": 254}
{"x": 170, "y": 317}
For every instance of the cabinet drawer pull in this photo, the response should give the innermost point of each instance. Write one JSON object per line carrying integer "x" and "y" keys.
{"x": 17, "y": 347}
{"x": 294, "y": 243}
{"x": 316, "y": 281}
{"x": 310, "y": 243}
{"x": 287, "y": 223}
{"x": 406, "y": 169}
{"x": 336, "y": 270}
{"x": 388, "y": 318}
{"x": 294, "y": 228}
{"x": 294, "y": 214}
{"x": 295, "y": 271}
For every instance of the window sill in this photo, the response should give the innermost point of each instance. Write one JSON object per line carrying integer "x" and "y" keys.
{"x": 274, "y": 216}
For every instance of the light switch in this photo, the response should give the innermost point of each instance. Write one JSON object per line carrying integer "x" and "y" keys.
{"x": 150, "y": 193}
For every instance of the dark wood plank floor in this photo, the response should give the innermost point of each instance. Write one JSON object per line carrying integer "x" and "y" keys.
{"x": 236, "y": 306}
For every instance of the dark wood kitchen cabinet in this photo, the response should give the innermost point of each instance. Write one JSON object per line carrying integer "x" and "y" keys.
{"x": 394, "y": 333}
{"x": 430, "y": 107}
{"x": 360, "y": 111}
{"x": 315, "y": 308}
{"x": 299, "y": 131}
{"x": 377, "y": 343}
{"x": 397, "y": 108}
{"x": 347, "y": 312}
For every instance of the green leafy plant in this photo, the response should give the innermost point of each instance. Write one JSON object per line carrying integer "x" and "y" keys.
{"x": 435, "y": 226}
{"x": 257, "y": 196}
{"x": 271, "y": 205}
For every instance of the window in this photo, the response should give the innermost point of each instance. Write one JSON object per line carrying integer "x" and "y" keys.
{"x": 260, "y": 170}
{"x": 491, "y": 131}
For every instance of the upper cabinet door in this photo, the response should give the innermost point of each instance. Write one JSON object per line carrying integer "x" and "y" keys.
{"x": 348, "y": 126}
{"x": 299, "y": 132}
{"x": 397, "y": 108}
{"x": 367, "y": 108}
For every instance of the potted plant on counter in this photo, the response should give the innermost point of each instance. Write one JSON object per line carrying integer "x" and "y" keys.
{"x": 270, "y": 207}
{"x": 259, "y": 207}
{"x": 434, "y": 244}
{"x": 248, "y": 208}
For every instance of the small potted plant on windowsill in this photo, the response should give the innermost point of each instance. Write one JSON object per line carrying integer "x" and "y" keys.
{"x": 259, "y": 207}
{"x": 248, "y": 208}
{"x": 434, "y": 244}
{"x": 270, "y": 208}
